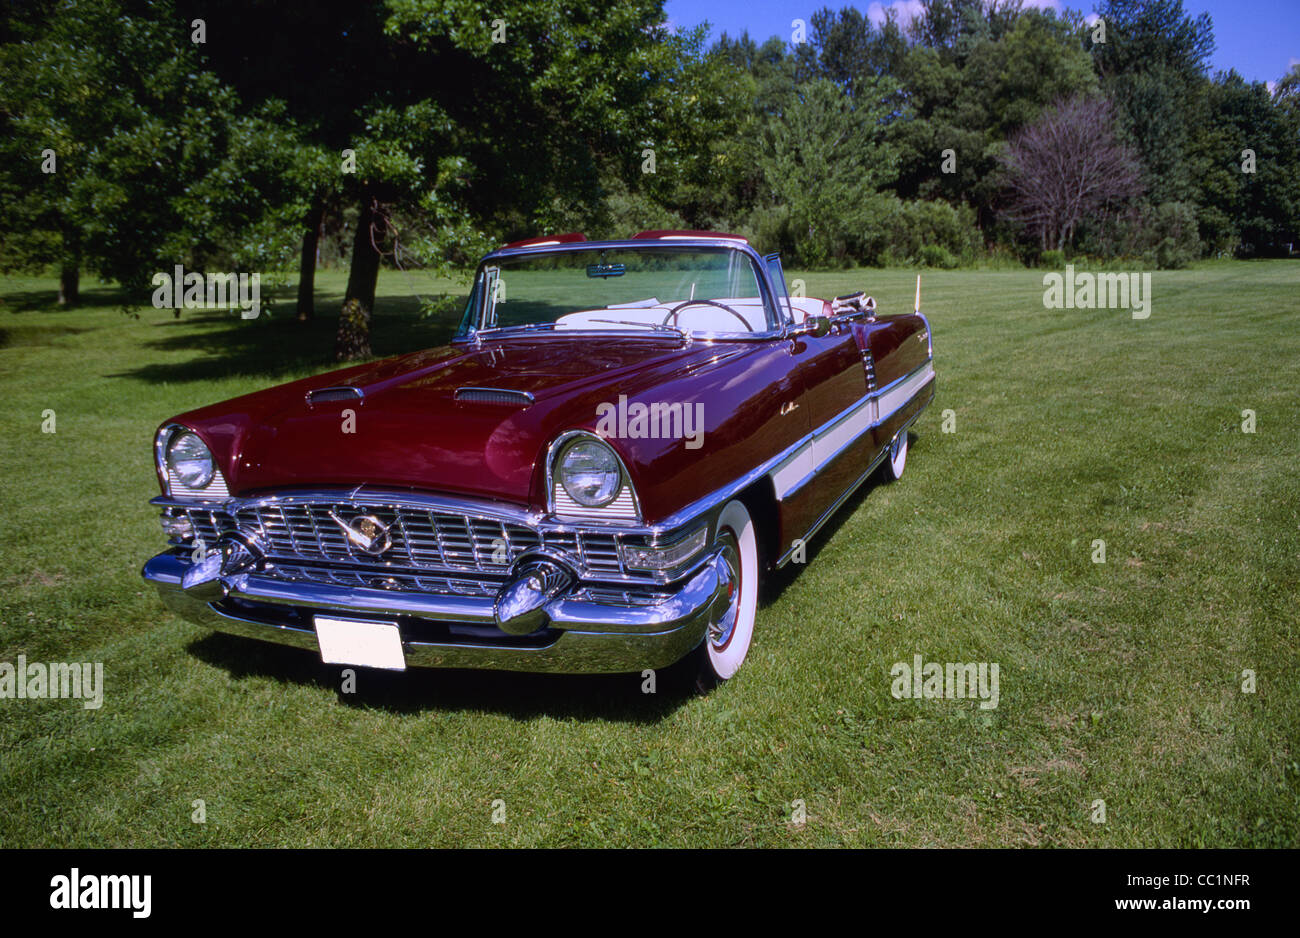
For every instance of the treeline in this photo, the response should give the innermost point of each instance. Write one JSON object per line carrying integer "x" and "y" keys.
{"x": 138, "y": 134}
{"x": 984, "y": 128}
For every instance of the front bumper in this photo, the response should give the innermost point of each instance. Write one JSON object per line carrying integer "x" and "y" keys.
{"x": 578, "y": 635}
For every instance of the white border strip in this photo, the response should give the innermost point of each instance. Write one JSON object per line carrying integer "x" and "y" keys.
{"x": 821, "y": 447}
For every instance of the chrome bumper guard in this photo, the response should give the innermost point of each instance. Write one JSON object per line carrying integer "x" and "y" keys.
{"x": 565, "y": 632}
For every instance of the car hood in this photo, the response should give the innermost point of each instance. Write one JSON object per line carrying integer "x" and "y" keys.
{"x": 407, "y": 430}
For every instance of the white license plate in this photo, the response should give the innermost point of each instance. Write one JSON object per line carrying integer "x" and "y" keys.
{"x": 365, "y": 644}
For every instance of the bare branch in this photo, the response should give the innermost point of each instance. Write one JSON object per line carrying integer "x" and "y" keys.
{"x": 1068, "y": 167}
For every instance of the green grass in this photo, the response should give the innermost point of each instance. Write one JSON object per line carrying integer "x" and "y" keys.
{"x": 1118, "y": 681}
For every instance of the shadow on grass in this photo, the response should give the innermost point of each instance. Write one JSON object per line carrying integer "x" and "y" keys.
{"x": 278, "y": 345}
{"x": 36, "y": 335}
{"x": 47, "y": 301}
{"x": 520, "y": 696}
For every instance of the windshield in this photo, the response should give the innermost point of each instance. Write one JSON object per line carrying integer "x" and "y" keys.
{"x": 708, "y": 291}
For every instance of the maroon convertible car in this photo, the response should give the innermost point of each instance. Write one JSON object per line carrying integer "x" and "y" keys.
{"x": 621, "y": 438}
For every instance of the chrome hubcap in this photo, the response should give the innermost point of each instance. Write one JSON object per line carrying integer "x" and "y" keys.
{"x": 723, "y": 625}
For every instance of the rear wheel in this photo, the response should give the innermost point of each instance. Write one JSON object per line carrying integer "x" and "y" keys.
{"x": 896, "y": 461}
{"x": 731, "y": 626}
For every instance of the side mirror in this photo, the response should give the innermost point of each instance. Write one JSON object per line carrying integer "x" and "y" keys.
{"x": 815, "y": 326}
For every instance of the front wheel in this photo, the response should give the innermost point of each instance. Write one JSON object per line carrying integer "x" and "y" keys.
{"x": 731, "y": 625}
{"x": 896, "y": 461}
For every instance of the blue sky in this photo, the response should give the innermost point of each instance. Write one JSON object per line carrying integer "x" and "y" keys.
{"x": 1259, "y": 38}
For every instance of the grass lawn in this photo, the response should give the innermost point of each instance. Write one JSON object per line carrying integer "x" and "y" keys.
{"x": 1119, "y": 681}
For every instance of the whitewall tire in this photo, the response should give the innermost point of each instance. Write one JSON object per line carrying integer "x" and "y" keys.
{"x": 896, "y": 458}
{"x": 731, "y": 627}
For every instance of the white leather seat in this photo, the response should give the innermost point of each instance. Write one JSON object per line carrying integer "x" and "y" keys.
{"x": 805, "y": 306}
{"x": 702, "y": 318}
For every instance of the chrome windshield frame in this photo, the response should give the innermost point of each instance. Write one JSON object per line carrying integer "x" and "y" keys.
{"x": 768, "y": 294}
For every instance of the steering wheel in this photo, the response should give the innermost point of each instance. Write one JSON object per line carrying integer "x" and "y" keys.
{"x": 672, "y": 313}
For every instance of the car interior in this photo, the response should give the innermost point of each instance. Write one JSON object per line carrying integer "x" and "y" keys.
{"x": 702, "y": 317}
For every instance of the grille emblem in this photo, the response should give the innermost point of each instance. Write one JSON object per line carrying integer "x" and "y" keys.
{"x": 366, "y": 533}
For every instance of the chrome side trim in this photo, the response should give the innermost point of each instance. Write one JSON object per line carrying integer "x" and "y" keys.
{"x": 834, "y": 507}
{"x": 848, "y": 427}
{"x": 797, "y": 454}
{"x": 929, "y": 336}
{"x": 844, "y": 496}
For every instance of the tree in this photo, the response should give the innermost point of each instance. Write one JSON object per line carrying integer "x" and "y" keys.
{"x": 121, "y": 155}
{"x": 708, "y": 113}
{"x": 532, "y": 99}
{"x": 823, "y": 165}
{"x": 962, "y": 109}
{"x": 955, "y": 27}
{"x": 1066, "y": 168}
{"x": 848, "y": 49}
{"x": 1286, "y": 94}
{"x": 339, "y": 69}
{"x": 1142, "y": 35}
{"x": 773, "y": 71}
{"x": 1153, "y": 66}
{"x": 1248, "y": 144}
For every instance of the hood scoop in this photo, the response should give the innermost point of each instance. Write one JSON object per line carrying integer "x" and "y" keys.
{"x": 501, "y": 396}
{"x": 342, "y": 393}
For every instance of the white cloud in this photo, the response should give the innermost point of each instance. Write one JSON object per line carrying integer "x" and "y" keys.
{"x": 907, "y": 11}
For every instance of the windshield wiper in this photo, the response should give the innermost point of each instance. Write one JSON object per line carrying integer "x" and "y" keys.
{"x": 522, "y": 327}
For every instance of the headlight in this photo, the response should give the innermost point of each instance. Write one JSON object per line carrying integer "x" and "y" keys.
{"x": 590, "y": 473}
{"x": 189, "y": 459}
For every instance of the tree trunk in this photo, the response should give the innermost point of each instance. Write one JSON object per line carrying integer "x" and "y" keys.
{"x": 69, "y": 285}
{"x": 70, "y": 272}
{"x": 353, "y": 340}
{"x": 307, "y": 262}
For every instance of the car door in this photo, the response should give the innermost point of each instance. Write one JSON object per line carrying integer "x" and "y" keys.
{"x": 833, "y": 384}
{"x": 832, "y": 407}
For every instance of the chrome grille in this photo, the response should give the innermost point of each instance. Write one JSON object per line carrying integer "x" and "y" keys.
{"x": 386, "y": 579}
{"x": 637, "y": 595}
{"x": 208, "y": 525}
{"x": 423, "y": 539}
